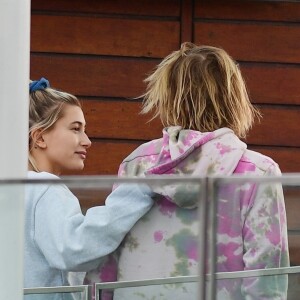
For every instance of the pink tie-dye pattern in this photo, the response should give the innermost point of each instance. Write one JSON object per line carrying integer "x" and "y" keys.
{"x": 151, "y": 149}
{"x": 223, "y": 148}
{"x": 272, "y": 235}
{"x": 158, "y": 236}
{"x": 244, "y": 167}
{"x": 166, "y": 207}
{"x": 189, "y": 138}
{"x": 245, "y": 232}
{"x": 108, "y": 270}
{"x": 232, "y": 261}
{"x": 192, "y": 251}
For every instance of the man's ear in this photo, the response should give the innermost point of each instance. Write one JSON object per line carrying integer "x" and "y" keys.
{"x": 37, "y": 139}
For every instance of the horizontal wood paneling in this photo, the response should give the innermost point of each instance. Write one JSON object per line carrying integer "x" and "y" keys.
{"x": 248, "y": 10}
{"x": 104, "y": 157}
{"x": 186, "y": 22}
{"x": 278, "y": 127}
{"x": 121, "y": 120}
{"x": 92, "y": 76}
{"x": 272, "y": 83}
{"x": 98, "y": 76}
{"x": 252, "y": 42}
{"x": 104, "y": 36}
{"x": 140, "y": 7}
{"x": 95, "y": 49}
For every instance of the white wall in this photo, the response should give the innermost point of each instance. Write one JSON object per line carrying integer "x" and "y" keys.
{"x": 14, "y": 79}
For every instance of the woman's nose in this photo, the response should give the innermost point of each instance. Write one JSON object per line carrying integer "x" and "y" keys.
{"x": 86, "y": 141}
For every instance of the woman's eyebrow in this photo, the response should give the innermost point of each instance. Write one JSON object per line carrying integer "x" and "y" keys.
{"x": 81, "y": 124}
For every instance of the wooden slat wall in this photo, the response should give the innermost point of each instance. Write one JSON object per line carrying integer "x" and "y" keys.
{"x": 102, "y": 50}
{"x": 264, "y": 37}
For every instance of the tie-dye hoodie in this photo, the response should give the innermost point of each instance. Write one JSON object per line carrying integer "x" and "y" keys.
{"x": 251, "y": 232}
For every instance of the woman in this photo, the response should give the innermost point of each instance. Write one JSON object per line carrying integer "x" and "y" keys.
{"x": 200, "y": 96}
{"x": 58, "y": 237}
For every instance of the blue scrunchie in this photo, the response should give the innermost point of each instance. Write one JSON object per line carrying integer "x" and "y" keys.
{"x": 38, "y": 85}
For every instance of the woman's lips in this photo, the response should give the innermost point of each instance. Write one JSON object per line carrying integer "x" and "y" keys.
{"x": 82, "y": 154}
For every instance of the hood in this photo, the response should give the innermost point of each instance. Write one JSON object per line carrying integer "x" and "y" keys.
{"x": 36, "y": 190}
{"x": 189, "y": 152}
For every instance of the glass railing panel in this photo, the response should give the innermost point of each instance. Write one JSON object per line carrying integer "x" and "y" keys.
{"x": 174, "y": 241}
{"x": 58, "y": 293}
{"x": 294, "y": 286}
{"x": 292, "y": 202}
{"x": 162, "y": 244}
{"x": 259, "y": 284}
{"x": 250, "y": 227}
{"x": 180, "y": 287}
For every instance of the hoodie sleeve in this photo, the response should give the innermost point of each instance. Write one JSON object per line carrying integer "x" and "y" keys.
{"x": 74, "y": 242}
{"x": 265, "y": 241}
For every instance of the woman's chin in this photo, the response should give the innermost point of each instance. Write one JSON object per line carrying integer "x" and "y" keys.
{"x": 73, "y": 170}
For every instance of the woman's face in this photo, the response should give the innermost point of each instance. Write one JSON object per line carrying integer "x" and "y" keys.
{"x": 66, "y": 143}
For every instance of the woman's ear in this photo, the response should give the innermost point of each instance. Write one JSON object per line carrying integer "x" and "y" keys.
{"x": 37, "y": 139}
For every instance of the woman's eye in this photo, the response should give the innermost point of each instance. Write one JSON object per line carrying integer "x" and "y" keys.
{"x": 76, "y": 128}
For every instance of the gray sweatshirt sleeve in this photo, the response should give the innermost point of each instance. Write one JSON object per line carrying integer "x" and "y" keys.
{"x": 74, "y": 242}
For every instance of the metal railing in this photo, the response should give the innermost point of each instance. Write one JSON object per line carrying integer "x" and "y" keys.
{"x": 85, "y": 291}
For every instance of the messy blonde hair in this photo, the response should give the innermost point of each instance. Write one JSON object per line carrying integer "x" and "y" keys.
{"x": 199, "y": 88}
{"x": 45, "y": 108}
